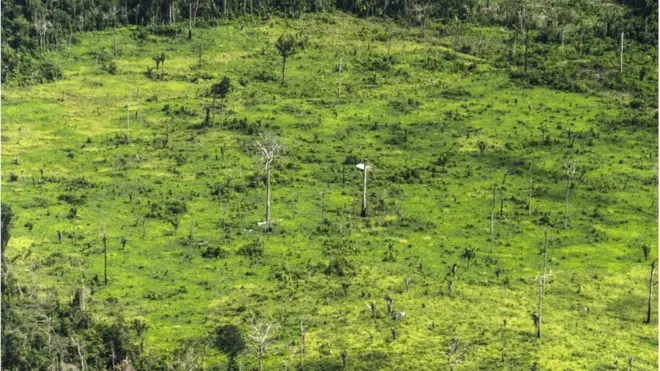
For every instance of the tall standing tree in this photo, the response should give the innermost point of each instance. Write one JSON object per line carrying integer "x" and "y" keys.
{"x": 502, "y": 189}
{"x": 261, "y": 338}
{"x": 104, "y": 239}
{"x": 648, "y": 312}
{"x": 162, "y": 65}
{"x": 571, "y": 168}
{"x": 287, "y": 46}
{"x": 269, "y": 147}
{"x": 365, "y": 170}
{"x": 229, "y": 340}
{"x": 7, "y": 216}
{"x": 529, "y": 198}
{"x": 220, "y": 90}
{"x": 539, "y": 317}
{"x": 339, "y": 69}
{"x": 621, "y": 55}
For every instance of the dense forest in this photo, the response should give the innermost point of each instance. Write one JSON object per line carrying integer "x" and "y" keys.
{"x": 132, "y": 213}
{"x": 31, "y": 28}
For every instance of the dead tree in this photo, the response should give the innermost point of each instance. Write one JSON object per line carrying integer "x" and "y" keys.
{"x": 454, "y": 353}
{"x": 339, "y": 68}
{"x": 372, "y": 307}
{"x": 648, "y": 313}
{"x": 529, "y": 199}
{"x": 571, "y": 168}
{"x": 269, "y": 147}
{"x": 621, "y": 55}
{"x": 419, "y": 11}
{"x": 389, "y": 302}
{"x": 303, "y": 333}
{"x": 522, "y": 14}
{"x": 365, "y": 169}
{"x": 538, "y": 318}
{"x": 105, "y": 257}
{"x": 261, "y": 340}
{"x": 507, "y": 172}
{"x": 492, "y": 218}
{"x": 128, "y": 124}
{"x": 323, "y": 207}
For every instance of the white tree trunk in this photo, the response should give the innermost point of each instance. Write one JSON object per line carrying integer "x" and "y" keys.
{"x": 621, "y": 55}
{"x": 268, "y": 225}
{"x": 364, "y": 190}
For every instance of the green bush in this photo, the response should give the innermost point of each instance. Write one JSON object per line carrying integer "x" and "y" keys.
{"x": 49, "y": 72}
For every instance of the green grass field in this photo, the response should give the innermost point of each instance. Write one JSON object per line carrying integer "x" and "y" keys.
{"x": 64, "y": 147}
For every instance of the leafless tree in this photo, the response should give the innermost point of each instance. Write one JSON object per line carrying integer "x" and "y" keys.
{"x": 420, "y": 10}
{"x": 372, "y": 306}
{"x": 621, "y": 55}
{"x": 339, "y": 69}
{"x": 529, "y": 199}
{"x": 455, "y": 353}
{"x": 104, "y": 238}
{"x": 261, "y": 338}
{"x": 538, "y": 318}
{"x": 492, "y": 218}
{"x": 507, "y": 172}
{"x": 42, "y": 26}
{"x": 303, "y": 334}
{"x": 571, "y": 169}
{"x": 269, "y": 147}
{"x": 365, "y": 170}
{"x": 648, "y": 313}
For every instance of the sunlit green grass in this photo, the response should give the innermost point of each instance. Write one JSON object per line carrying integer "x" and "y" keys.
{"x": 430, "y": 219}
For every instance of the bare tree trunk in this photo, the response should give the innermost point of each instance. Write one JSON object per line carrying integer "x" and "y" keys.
{"x": 82, "y": 359}
{"x": 171, "y": 15}
{"x": 128, "y": 124}
{"x": 303, "y": 333}
{"x": 568, "y": 189}
{"x": 82, "y": 292}
{"x": 648, "y": 313}
{"x": 323, "y": 207}
{"x": 283, "y": 69}
{"x": 621, "y": 55}
{"x": 542, "y": 282}
{"x": 222, "y": 111}
{"x": 492, "y": 219}
{"x": 506, "y": 172}
{"x": 526, "y": 42}
{"x": 105, "y": 259}
{"x": 213, "y": 110}
{"x": 363, "y": 213}
{"x": 341, "y": 65}
{"x": 190, "y": 20}
{"x": 529, "y": 202}
{"x": 114, "y": 40}
{"x": 268, "y": 226}
{"x": 538, "y": 321}
{"x": 200, "y": 57}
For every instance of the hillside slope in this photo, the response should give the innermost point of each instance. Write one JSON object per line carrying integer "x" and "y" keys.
{"x": 113, "y": 147}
